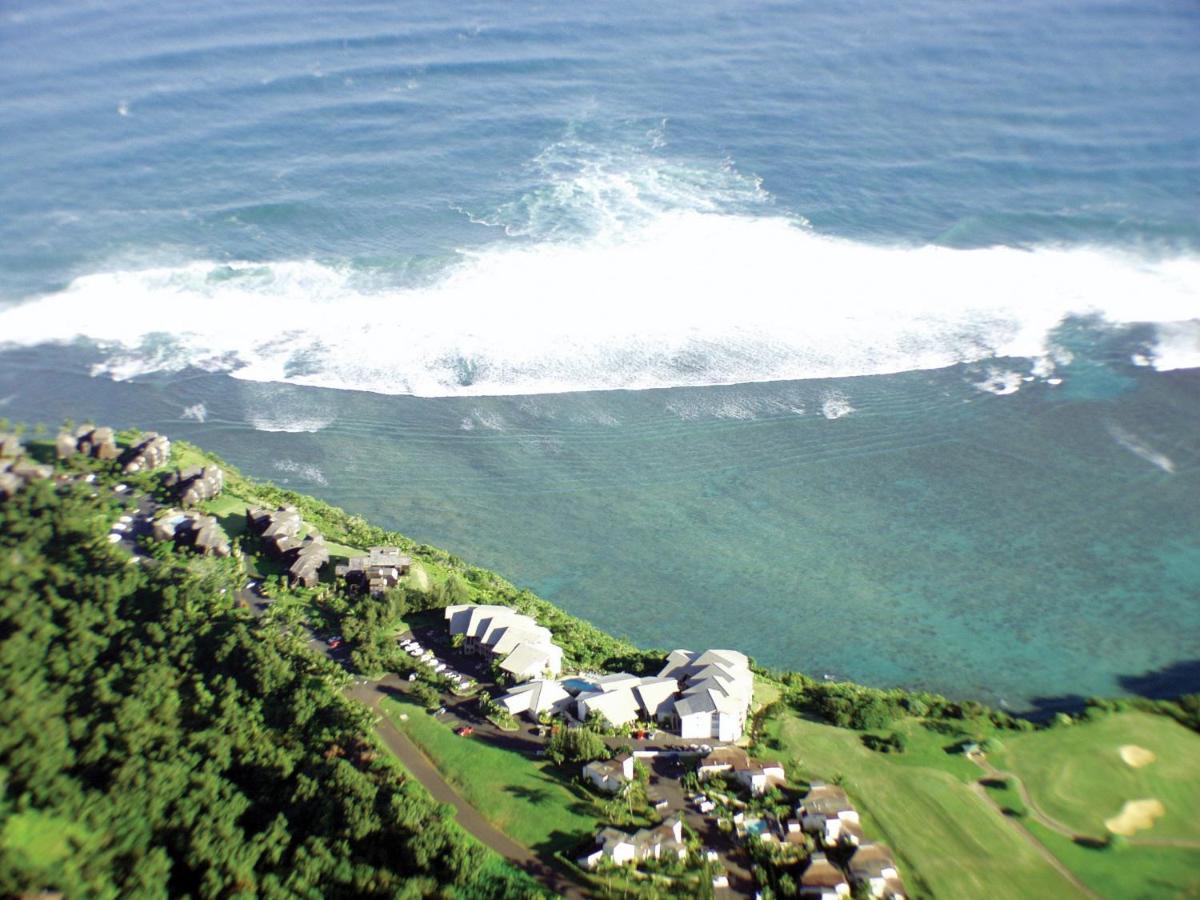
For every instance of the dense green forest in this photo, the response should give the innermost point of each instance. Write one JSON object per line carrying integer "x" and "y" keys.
{"x": 156, "y": 741}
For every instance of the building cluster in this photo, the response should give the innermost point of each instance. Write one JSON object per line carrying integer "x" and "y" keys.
{"x": 522, "y": 648}
{"x": 97, "y": 443}
{"x": 195, "y": 485}
{"x": 17, "y": 470}
{"x": 192, "y": 529}
{"x": 280, "y": 530}
{"x": 620, "y": 847}
{"x": 827, "y": 814}
{"x": 697, "y": 695}
{"x": 610, "y": 775}
{"x": 150, "y": 451}
{"x": 380, "y": 570}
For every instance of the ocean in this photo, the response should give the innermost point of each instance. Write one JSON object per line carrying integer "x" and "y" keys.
{"x": 863, "y": 339}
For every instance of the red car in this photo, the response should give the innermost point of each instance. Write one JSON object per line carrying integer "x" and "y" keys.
{"x": 335, "y": 643}
{"x": 465, "y": 731}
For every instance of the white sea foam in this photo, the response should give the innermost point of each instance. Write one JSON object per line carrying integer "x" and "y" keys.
{"x": 307, "y": 471}
{"x": 197, "y": 411}
{"x": 1141, "y": 449}
{"x": 1002, "y": 382}
{"x": 287, "y": 423}
{"x": 620, "y": 272}
{"x": 834, "y": 405}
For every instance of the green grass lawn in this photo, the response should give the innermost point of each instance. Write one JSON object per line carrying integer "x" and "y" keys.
{"x": 1131, "y": 873}
{"x": 524, "y": 797}
{"x": 949, "y": 842}
{"x": 1075, "y": 774}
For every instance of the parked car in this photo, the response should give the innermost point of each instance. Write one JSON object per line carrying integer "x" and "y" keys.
{"x": 334, "y": 643}
{"x": 465, "y": 731}
{"x": 412, "y": 677}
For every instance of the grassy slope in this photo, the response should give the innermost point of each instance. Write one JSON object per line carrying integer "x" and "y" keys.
{"x": 1076, "y": 775}
{"x": 528, "y": 800}
{"x": 1134, "y": 873}
{"x": 949, "y": 842}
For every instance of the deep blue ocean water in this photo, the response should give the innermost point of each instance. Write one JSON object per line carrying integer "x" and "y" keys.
{"x": 861, "y": 338}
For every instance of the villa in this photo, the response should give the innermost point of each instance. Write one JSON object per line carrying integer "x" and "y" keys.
{"x": 826, "y": 811}
{"x": 620, "y": 847}
{"x": 98, "y": 443}
{"x": 151, "y": 451}
{"x": 717, "y": 687}
{"x": 200, "y": 532}
{"x": 378, "y": 571}
{"x": 197, "y": 484}
{"x": 610, "y": 775}
{"x": 307, "y": 560}
{"x": 537, "y": 697}
{"x": 758, "y": 777}
{"x": 873, "y": 865}
{"x": 822, "y": 880}
{"x": 524, "y": 648}
{"x": 280, "y": 532}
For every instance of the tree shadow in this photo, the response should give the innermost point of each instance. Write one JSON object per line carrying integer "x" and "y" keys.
{"x": 1167, "y": 683}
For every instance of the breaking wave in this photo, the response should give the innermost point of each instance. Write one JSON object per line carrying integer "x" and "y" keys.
{"x": 617, "y": 272}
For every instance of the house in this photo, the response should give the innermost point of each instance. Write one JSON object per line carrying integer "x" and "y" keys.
{"x": 722, "y": 759}
{"x": 191, "y": 529}
{"x": 823, "y": 880}
{"x": 825, "y": 811}
{"x": 872, "y": 865}
{"x": 759, "y": 777}
{"x": 98, "y": 443}
{"x": 378, "y": 571}
{"x": 716, "y": 687}
{"x": 151, "y": 451}
{"x": 16, "y": 473}
{"x": 620, "y": 847}
{"x": 278, "y": 528}
{"x": 306, "y": 561}
{"x": 10, "y": 446}
{"x": 610, "y": 775}
{"x": 197, "y": 484}
{"x": 536, "y": 697}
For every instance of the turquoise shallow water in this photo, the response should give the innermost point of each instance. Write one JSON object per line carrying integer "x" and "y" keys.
{"x": 862, "y": 339}
{"x": 1013, "y": 548}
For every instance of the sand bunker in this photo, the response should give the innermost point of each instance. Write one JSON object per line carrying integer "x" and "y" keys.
{"x": 1136, "y": 756}
{"x": 1135, "y": 815}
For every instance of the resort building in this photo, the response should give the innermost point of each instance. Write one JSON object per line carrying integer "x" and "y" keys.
{"x": 822, "y": 880}
{"x": 620, "y": 847}
{"x": 872, "y": 865}
{"x": 610, "y": 775}
{"x": 826, "y": 811}
{"x": 151, "y": 451}
{"x": 524, "y": 648}
{"x": 380, "y": 570}
{"x": 10, "y": 446}
{"x": 280, "y": 530}
{"x": 717, "y": 687}
{"x": 197, "y": 484}
{"x": 97, "y": 443}
{"x": 537, "y": 697}
{"x": 191, "y": 529}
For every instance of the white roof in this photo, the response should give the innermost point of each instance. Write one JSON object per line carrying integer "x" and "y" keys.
{"x": 619, "y": 706}
{"x": 535, "y": 697}
{"x": 532, "y": 659}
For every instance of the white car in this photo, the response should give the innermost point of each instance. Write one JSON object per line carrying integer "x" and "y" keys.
{"x": 414, "y": 652}
{"x": 118, "y": 526}
{"x": 125, "y": 519}
{"x": 121, "y": 488}
{"x": 115, "y": 539}
{"x": 90, "y": 477}
{"x": 439, "y": 667}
